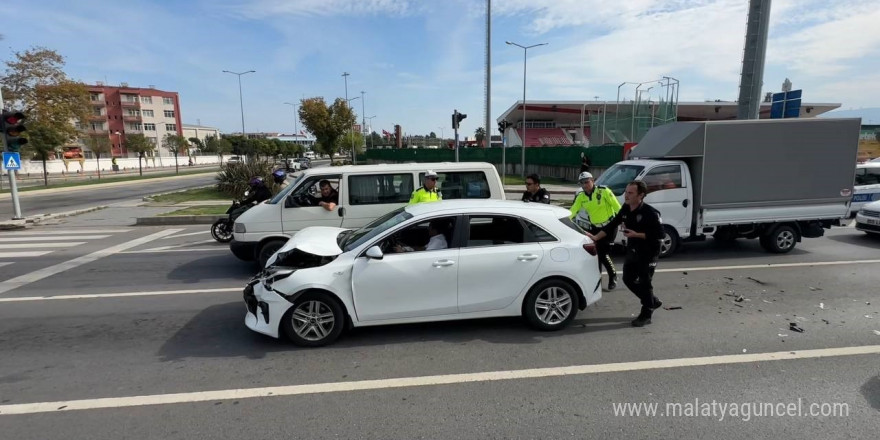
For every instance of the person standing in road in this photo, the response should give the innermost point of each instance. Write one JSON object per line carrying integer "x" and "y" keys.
{"x": 643, "y": 231}
{"x": 428, "y": 192}
{"x": 600, "y": 206}
{"x": 534, "y": 192}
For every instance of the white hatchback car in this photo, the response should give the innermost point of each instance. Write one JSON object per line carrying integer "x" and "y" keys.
{"x": 457, "y": 259}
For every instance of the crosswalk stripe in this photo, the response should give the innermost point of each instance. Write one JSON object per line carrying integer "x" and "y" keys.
{"x": 57, "y": 237}
{"x": 41, "y": 245}
{"x": 66, "y": 232}
{"x": 23, "y": 254}
{"x": 5, "y": 264}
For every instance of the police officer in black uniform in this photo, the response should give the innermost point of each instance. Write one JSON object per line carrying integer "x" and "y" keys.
{"x": 534, "y": 192}
{"x": 643, "y": 233}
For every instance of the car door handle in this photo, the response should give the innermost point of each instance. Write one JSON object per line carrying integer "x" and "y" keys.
{"x": 443, "y": 263}
{"x": 527, "y": 257}
{"x": 341, "y": 211}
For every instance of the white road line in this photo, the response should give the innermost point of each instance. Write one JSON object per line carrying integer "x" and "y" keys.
{"x": 406, "y": 382}
{"x": 160, "y": 250}
{"x": 23, "y": 254}
{"x": 188, "y": 234}
{"x": 40, "y": 245}
{"x": 121, "y": 295}
{"x": 37, "y": 275}
{"x": 71, "y": 231}
{"x": 57, "y": 237}
{"x": 5, "y": 264}
{"x": 173, "y": 246}
{"x": 769, "y": 265}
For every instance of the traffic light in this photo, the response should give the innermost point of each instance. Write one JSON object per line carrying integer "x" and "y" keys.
{"x": 12, "y": 126}
{"x": 456, "y": 119}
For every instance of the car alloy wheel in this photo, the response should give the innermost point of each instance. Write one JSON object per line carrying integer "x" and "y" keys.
{"x": 313, "y": 320}
{"x": 553, "y": 306}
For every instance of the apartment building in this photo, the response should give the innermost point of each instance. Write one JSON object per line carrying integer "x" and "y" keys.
{"x": 118, "y": 111}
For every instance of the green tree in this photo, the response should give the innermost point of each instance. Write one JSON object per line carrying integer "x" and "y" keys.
{"x": 45, "y": 140}
{"x": 375, "y": 139}
{"x": 139, "y": 144}
{"x": 99, "y": 145}
{"x": 327, "y": 123}
{"x": 177, "y": 145}
{"x": 349, "y": 139}
{"x": 217, "y": 146}
{"x": 480, "y": 134}
{"x": 35, "y": 82}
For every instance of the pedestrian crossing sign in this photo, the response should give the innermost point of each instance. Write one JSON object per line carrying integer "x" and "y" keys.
{"x": 11, "y": 161}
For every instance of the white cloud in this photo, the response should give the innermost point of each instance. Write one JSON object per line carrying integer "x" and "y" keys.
{"x": 260, "y": 9}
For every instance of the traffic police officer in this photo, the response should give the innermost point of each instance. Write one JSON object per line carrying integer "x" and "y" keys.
{"x": 428, "y": 192}
{"x": 600, "y": 206}
{"x": 643, "y": 231}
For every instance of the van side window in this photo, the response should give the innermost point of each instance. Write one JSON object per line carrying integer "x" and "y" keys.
{"x": 373, "y": 189}
{"x": 665, "y": 177}
{"x": 461, "y": 185}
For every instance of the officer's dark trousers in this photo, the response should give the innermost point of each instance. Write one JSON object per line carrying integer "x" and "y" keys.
{"x": 603, "y": 251}
{"x": 638, "y": 272}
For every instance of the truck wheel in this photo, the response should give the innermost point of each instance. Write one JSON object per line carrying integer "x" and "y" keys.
{"x": 669, "y": 243}
{"x": 268, "y": 249}
{"x": 781, "y": 240}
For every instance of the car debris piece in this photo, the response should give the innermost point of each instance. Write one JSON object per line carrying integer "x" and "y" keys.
{"x": 794, "y": 327}
{"x": 757, "y": 281}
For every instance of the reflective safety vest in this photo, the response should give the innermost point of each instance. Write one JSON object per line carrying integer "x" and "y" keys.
{"x": 423, "y": 195}
{"x": 600, "y": 206}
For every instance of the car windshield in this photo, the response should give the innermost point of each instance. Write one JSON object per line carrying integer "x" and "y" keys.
{"x": 285, "y": 191}
{"x": 349, "y": 241}
{"x": 618, "y": 176}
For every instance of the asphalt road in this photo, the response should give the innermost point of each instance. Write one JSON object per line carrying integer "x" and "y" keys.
{"x": 75, "y": 351}
{"x": 75, "y": 198}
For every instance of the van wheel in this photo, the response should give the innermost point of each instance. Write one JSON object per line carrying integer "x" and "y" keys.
{"x": 781, "y": 240}
{"x": 669, "y": 243}
{"x": 266, "y": 252}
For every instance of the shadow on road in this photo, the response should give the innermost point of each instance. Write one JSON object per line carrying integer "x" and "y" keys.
{"x": 871, "y": 241}
{"x": 217, "y": 267}
{"x": 871, "y": 391}
{"x": 219, "y": 332}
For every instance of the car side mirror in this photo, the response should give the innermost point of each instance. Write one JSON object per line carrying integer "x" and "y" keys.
{"x": 375, "y": 253}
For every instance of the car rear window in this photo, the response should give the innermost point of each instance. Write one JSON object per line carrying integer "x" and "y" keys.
{"x": 567, "y": 222}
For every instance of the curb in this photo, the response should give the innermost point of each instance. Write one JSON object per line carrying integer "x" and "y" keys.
{"x": 178, "y": 220}
{"x": 37, "y": 219}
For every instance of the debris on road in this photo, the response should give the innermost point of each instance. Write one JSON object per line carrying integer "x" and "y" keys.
{"x": 815, "y": 288}
{"x": 826, "y": 321}
{"x": 672, "y": 308}
{"x": 793, "y": 326}
{"x": 782, "y": 335}
{"x": 740, "y": 299}
{"x": 757, "y": 281}
{"x": 822, "y": 306}
{"x": 684, "y": 273}
{"x": 877, "y": 332}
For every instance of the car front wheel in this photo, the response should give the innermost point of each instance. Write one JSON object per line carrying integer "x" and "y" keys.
{"x": 550, "y": 305}
{"x": 315, "y": 320}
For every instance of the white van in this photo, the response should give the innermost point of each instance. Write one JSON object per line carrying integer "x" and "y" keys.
{"x": 366, "y": 192}
{"x": 867, "y": 186}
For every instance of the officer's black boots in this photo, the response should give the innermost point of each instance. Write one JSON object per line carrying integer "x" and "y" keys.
{"x": 644, "y": 318}
{"x": 612, "y": 281}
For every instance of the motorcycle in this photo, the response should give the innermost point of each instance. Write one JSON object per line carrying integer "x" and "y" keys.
{"x": 221, "y": 230}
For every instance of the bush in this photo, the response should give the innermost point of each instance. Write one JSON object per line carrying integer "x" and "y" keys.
{"x": 233, "y": 180}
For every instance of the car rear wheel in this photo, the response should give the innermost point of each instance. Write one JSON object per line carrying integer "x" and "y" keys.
{"x": 550, "y": 305}
{"x": 315, "y": 320}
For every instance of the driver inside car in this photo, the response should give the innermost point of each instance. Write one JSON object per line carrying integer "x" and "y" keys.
{"x": 329, "y": 197}
{"x": 437, "y": 230}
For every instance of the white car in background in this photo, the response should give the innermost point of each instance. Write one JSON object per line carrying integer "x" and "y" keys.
{"x": 502, "y": 258}
{"x": 868, "y": 218}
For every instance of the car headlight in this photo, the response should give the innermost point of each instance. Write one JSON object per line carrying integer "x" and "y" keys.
{"x": 239, "y": 228}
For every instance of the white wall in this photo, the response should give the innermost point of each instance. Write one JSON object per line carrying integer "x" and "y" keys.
{"x": 91, "y": 165}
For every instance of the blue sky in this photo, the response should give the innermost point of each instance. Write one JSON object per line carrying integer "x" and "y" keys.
{"x": 417, "y": 60}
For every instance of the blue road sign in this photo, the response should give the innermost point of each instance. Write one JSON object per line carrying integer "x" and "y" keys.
{"x": 11, "y": 161}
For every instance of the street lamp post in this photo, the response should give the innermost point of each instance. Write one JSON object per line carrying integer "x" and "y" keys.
{"x": 345, "y": 76}
{"x": 525, "y": 53}
{"x": 240, "y": 100}
{"x": 363, "y": 119}
{"x": 295, "y": 117}
{"x": 348, "y": 102}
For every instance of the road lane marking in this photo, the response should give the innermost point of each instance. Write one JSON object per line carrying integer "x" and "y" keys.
{"x": 768, "y": 265}
{"x": 187, "y": 234}
{"x": 160, "y": 251}
{"x": 122, "y": 294}
{"x": 5, "y": 264}
{"x": 56, "y": 237}
{"x": 173, "y": 246}
{"x": 419, "y": 381}
{"x": 71, "y": 231}
{"x": 40, "y": 245}
{"x": 23, "y": 254}
{"x": 46, "y": 272}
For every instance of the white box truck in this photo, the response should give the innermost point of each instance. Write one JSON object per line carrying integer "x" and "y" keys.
{"x": 776, "y": 180}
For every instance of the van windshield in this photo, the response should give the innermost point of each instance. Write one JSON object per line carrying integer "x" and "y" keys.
{"x": 618, "y": 176}
{"x": 284, "y": 192}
